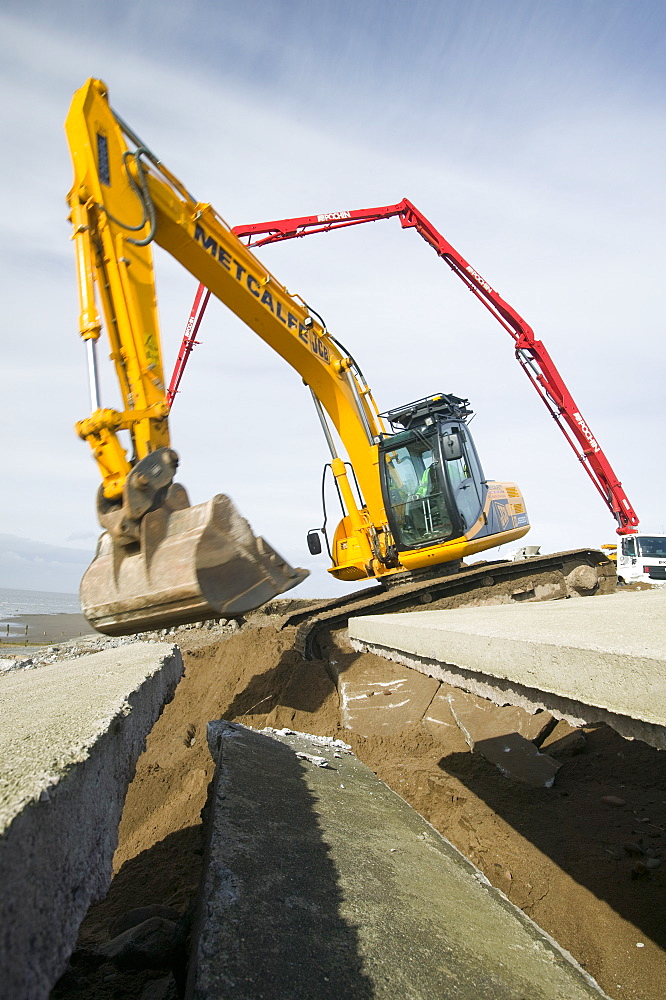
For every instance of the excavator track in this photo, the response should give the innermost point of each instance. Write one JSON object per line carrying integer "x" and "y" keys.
{"x": 574, "y": 573}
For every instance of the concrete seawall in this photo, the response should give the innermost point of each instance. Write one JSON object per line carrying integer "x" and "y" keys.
{"x": 70, "y": 738}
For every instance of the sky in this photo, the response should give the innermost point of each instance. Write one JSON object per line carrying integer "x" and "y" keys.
{"x": 530, "y": 132}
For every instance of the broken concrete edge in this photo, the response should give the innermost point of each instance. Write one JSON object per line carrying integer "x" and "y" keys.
{"x": 515, "y": 756}
{"x": 56, "y": 855}
{"x": 479, "y": 719}
{"x": 607, "y": 653}
{"x": 42, "y": 786}
{"x": 218, "y": 733}
{"x": 507, "y": 692}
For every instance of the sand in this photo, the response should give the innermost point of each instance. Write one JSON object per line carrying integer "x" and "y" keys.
{"x": 557, "y": 853}
{"x": 40, "y": 630}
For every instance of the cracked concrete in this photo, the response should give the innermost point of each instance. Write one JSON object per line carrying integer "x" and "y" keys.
{"x": 585, "y": 661}
{"x": 322, "y": 883}
{"x": 71, "y": 735}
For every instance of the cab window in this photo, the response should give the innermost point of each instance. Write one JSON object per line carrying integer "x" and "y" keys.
{"x": 464, "y": 478}
{"x": 652, "y": 546}
{"x": 629, "y": 547}
{"x": 419, "y": 512}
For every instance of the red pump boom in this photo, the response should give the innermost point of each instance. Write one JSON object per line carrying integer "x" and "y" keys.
{"x": 533, "y": 357}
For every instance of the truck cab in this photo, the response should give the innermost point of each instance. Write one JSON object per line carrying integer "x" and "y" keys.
{"x": 642, "y": 558}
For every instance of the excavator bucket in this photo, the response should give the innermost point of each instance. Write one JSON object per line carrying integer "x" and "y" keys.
{"x": 190, "y": 565}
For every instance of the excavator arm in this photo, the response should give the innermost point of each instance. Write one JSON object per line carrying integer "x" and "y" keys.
{"x": 161, "y": 561}
{"x": 531, "y": 353}
{"x": 122, "y": 201}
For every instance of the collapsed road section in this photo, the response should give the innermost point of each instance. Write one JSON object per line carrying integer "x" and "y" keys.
{"x": 343, "y": 889}
{"x": 71, "y": 735}
{"x": 582, "y": 661}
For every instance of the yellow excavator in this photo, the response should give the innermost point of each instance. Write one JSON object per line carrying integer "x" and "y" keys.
{"x": 413, "y": 494}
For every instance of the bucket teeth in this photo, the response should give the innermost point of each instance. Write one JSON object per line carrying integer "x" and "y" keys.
{"x": 190, "y": 565}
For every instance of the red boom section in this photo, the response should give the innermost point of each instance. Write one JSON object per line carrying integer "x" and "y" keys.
{"x": 189, "y": 340}
{"x": 533, "y": 357}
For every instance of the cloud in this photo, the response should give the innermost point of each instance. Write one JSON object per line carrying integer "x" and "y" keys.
{"x": 29, "y": 565}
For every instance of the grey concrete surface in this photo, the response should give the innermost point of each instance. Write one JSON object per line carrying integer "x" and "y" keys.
{"x": 589, "y": 660}
{"x": 377, "y": 700}
{"x": 320, "y": 882}
{"x": 70, "y": 737}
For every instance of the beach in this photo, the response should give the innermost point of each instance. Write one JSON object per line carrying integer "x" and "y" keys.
{"x": 41, "y": 630}
{"x": 39, "y": 618}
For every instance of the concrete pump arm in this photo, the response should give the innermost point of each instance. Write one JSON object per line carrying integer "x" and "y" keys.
{"x": 122, "y": 200}
{"x": 531, "y": 353}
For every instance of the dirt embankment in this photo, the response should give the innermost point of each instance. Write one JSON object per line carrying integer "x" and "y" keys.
{"x": 572, "y": 861}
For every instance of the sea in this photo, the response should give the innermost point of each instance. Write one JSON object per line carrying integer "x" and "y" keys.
{"x": 36, "y": 602}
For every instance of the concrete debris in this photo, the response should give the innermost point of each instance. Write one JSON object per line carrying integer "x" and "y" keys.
{"x": 319, "y": 761}
{"x": 321, "y": 741}
{"x": 97, "y": 643}
{"x": 136, "y": 916}
{"x": 569, "y": 745}
{"x": 14, "y": 663}
{"x": 148, "y": 945}
{"x": 645, "y": 867}
{"x": 494, "y": 733}
{"x": 518, "y": 759}
{"x": 480, "y": 720}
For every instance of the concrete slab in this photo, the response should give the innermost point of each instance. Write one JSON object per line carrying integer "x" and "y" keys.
{"x": 375, "y": 699}
{"x": 501, "y": 735}
{"x": 323, "y": 883}
{"x": 70, "y": 737}
{"x": 480, "y": 720}
{"x": 585, "y": 661}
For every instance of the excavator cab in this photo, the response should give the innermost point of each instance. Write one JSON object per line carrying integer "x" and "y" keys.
{"x": 431, "y": 476}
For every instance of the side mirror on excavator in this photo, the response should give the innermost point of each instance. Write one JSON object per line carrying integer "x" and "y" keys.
{"x": 314, "y": 542}
{"x": 451, "y": 447}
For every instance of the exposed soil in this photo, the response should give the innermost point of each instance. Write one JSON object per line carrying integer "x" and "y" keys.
{"x": 574, "y": 862}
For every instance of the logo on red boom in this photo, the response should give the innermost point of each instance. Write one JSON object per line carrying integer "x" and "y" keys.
{"x": 333, "y": 216}
{"x": 586, "y": 431}
{"x": 477, "y": 277}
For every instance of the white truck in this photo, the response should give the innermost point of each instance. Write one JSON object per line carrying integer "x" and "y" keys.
{"x": 642, "y": 558}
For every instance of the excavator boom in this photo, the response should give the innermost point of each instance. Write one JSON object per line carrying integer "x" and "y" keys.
{"x": 160, "y": 561}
